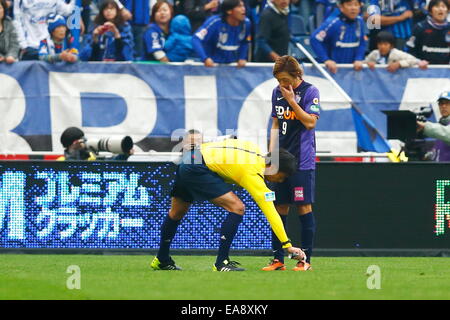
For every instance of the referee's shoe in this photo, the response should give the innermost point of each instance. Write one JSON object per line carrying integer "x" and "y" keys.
{"x": 226, "y": 266}
{"x": 165, "y": 265}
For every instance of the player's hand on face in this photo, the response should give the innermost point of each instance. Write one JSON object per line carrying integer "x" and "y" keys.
{"x": 288, "y": 93}
{"x": 331, "y": 65}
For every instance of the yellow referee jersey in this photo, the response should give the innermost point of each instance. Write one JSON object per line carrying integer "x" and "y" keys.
{"x": 241, "y": 162}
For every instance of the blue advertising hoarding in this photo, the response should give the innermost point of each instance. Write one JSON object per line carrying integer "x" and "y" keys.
{"x": 39, "y": 100}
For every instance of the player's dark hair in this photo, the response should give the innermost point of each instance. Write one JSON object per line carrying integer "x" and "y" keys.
{"x": 286, "y": 161}
{"x": 385, "y": 36}
{"x": 228, "y": 5}
{"x": 156, "y": 7}
{"x": 100, "y": 18}
{"x": 288, "y": 64}
{"x": 437, "y": 2}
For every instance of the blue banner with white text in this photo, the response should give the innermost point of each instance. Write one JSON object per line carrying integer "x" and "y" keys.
{"x": 39, "y": 100}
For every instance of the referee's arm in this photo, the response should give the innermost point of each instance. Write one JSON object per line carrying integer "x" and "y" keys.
{"x": 257, "y": 188}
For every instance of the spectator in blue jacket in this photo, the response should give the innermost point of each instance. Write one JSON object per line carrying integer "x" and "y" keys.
{"x": 111, "y": 38}
{"x": 178, "y": 46}
{"x": 325, "y": 9}
{"x": 342, "y": 39}
{"x": 157, "y": 32}
{"x": 140, "y": 10}
{"x": 224, "y": 38}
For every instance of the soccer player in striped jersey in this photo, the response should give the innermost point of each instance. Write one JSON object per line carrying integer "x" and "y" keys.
{"x": 295, "y": 111}
{"x": 206, "y": 173}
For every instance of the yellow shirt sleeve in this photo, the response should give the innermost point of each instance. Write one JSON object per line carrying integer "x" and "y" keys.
{"x": 257, "y": 188}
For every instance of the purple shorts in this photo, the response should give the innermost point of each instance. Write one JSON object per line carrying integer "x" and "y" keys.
{"x": 296, "y": 189}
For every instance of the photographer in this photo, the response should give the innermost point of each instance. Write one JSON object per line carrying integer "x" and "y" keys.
{"x": 77, "y": 147}
{"x": 440, "y": 131}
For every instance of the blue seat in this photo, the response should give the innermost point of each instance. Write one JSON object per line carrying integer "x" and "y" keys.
{"x": 298, "y": 26}
{"x": 304, "y": 40}
{"x": 312, "y": 25}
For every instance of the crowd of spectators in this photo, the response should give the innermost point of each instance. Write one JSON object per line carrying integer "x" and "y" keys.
{"x": 395, "y": 33}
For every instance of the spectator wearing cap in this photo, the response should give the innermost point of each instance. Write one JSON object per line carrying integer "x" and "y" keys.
{"x": 387, "y": 54}
{"x": 75, "y": 147}
{"x": 9, "y": 45}
{"x": 430, "y": 39}
{"x": 224, "y": 38}
{"x": 30, "y": 18}
{"x": 395, "y": 16}
{"x": 58, "y": 45}
{"x": 178, "y": 46}
{"x": 440, "y": 130}
{"x": 73, "y": 141}
{"x": 342, "y": 39}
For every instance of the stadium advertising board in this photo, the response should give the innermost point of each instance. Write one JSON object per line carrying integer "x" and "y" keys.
{"x": 121, "y": 205}
{"x": 145, "y": 101}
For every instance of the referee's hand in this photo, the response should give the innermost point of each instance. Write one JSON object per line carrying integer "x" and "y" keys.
{"x": 296, "y": 253}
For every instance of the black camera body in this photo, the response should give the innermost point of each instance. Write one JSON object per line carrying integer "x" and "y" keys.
{"x": 402, "y": 125}
{"x": 424, "y": 113}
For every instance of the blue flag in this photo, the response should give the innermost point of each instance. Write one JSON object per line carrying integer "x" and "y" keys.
{"x": 369, "y": 139}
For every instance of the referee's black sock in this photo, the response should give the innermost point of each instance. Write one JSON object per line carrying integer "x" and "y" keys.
{"x": 278, "y": 251}
{"x": 227, "y": 232}
{"x": 308, "y": 223}
{"x": 168, "y": 231}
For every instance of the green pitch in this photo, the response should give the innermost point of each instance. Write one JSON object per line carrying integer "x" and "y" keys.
{"x": 130, "y": 277}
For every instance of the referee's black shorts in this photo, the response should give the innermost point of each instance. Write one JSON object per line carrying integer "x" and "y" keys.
{"x": 195, "y": 182}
